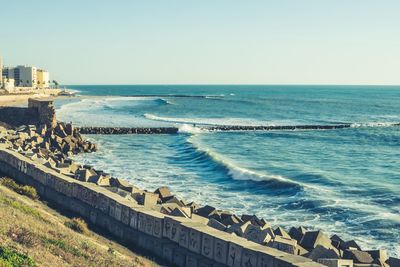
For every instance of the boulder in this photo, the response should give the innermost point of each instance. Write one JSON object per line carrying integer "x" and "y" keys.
{"x": 378, "y": 254}
{"x": 216, "y": 224}
{"x": 349, "y": 245}
{"x": 287, "y": 245}
{"x": 393, "y": 262}
{"x": 178, "y": 212}
{"x": 281, "y": 232}
{"x": 257, "y": 234}
{"x": 206, "y": 211}
{"x": 163, "y": 192}
{"x": 320, "y": 252}
{"x": 312, "y": 239}
{"x": 239, "y": 229}
{"x": 297, "y": 233}
{"x": 357, "y": 256}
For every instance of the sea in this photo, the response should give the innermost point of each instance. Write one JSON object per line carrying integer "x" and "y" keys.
{"x": 343, "y": 181}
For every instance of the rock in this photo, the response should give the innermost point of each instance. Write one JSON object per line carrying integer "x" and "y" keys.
{"x": 336, "y": 241}
{"x": 320, "y": 252}
{"x": 231, "y": 220}
{"x": 393, "y": 262}
{"x": 174, "y": 199}
{"x": 336, "y": 262}
{"x": 357, "y": 256}
{"x": 216, "y": 224}
{"x": 297, "y": 233}
{"x": 349, "y": 245}
{"x": 253, "y": 219}
{"x": 281, "y": 232}
{"x": 378, "y": 254}
{"x": 239, "y": 229}
{"x": 82, "y": 175}
{"x": 179, "y": 213}
{"x": 287, "y": 245}
{"x": 206, "y": 211}
{"x": 122, "y": 184}
{"x": 99, "y": 180}
{"x": 312, "y": 239}
{"x": 163, "y": 192}
{"x": 257, "y": 234}
{"x": 146, "y": 199}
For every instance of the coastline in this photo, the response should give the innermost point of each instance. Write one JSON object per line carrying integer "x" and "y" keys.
{"x": 248, "y": 228}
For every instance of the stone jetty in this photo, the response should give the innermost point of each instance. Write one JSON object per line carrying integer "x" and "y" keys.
{"x": 227, "y": 128}
{"x": 191, "y": 234}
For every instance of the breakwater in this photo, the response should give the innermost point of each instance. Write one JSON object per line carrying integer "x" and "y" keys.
{"x": 227, "y": 128}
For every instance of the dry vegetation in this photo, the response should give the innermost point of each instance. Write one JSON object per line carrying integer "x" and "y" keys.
{"x": 32, "y": 234}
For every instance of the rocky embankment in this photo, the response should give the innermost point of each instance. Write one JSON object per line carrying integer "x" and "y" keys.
{"x": 53, "y": 148}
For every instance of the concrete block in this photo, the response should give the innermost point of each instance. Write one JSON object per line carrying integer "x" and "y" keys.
{"x": 287, "y": 245}
{"x": 336, "y": 262}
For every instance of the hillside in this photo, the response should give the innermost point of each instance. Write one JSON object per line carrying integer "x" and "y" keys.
{"x": 32, "y": 234}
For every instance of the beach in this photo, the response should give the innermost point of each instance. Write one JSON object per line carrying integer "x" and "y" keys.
{"x": 21, "y": 99}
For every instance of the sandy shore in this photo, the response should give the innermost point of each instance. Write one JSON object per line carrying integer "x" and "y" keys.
{"x": 21, "y": 99}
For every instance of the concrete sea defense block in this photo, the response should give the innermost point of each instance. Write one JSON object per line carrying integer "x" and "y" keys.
{"x": 336, "y": 262}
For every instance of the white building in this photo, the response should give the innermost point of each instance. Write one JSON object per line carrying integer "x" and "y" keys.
{"x": 9, "y": 84}
{"x": 27, "y": 76}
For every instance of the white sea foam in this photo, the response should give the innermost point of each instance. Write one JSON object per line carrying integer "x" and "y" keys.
{"x": 186, "y": 128}
{"x": 375, "y": 124}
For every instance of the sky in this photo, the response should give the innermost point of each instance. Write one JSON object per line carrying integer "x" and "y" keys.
{"x": 205, "y": 41}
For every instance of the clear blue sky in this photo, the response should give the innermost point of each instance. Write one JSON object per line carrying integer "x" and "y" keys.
{"x": 205, "y": 41}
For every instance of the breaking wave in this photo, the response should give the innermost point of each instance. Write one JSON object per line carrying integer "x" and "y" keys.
{"x": 240, "y": 173}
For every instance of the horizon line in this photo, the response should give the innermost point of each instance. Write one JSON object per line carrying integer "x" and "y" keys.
{"x": 225, "y": 84}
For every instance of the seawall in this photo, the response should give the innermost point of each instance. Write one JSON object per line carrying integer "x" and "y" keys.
{"x": 179, "y": 241}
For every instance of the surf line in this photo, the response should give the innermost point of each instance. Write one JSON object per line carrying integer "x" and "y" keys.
{"x": 224, "y": 128}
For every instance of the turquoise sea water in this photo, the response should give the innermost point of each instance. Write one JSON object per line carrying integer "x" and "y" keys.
{"x": 344, "y": 181}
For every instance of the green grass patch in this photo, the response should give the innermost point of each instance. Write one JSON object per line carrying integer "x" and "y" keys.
{"x": 64, "y": 246}
{"x": 25, "y": 190}
{"x": 12, "y": 258}
{"x": 19, "y": 206}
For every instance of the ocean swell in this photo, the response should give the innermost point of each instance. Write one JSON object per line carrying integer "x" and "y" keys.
{"x": 239, "y": 173}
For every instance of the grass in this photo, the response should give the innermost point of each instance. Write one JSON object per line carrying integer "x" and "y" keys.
{"x": 32, "y": 234}
{"x": 78, "y": 225}
{"x": 12, "y": 258}
{"x": 25, "y": 190}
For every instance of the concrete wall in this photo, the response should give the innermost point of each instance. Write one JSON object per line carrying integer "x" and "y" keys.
{"x": 178, "y": 241}
{"x": 19, "y": 116}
